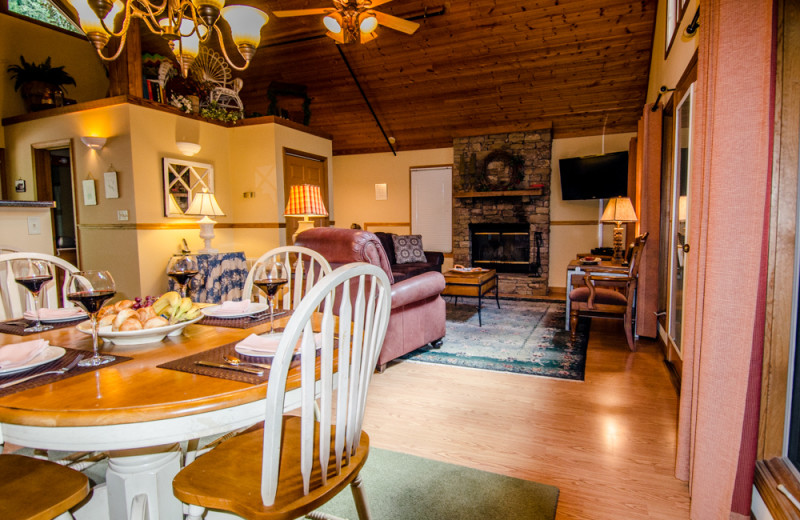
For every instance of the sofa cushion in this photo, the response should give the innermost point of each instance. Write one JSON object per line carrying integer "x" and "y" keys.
{"x": 408, "y": 249}
{"x": 405, "y": 271}
{"x": 388, "y": 245}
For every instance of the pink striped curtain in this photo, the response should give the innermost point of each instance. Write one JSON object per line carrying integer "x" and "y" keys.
{"x": 722, "y": 315}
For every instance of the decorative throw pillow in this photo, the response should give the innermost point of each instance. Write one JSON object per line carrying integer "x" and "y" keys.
{"x": 408, "y": 249}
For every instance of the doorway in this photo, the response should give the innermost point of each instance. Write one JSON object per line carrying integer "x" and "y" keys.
{"x": 679, "y": 202}
{"x": 304, "y": 168}
{"x": 53, "y": 170}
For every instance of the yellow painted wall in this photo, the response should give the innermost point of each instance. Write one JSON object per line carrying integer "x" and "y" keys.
{"x": 36, "y": 43}
{"x": 355, "y": 177}
{"x": 246, "y": 158}
{"x": 667, "y": 70}
{"x": 14, "y": 230}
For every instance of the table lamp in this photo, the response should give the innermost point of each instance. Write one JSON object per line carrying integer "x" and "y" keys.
{"x": 305, "y": 200}
{"x": 619, "y": 210}
{"x": 206, "y": 205}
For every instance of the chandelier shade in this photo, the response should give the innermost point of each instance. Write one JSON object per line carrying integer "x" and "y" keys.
{"x": 185, "y": 24}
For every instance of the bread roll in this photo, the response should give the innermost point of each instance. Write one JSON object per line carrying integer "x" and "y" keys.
{"x": 123, "y": 304}
{"x": 158, "y": 321}
{"x": 123, "y": 316}
{"x": 106, "y": 320}
{"x": 145, "y": 313}
{"x": 106, "y": 310}
{"x": 132, "y": 323}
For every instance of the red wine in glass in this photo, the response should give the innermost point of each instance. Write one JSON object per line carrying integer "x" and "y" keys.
{"x": 33, "y": 283}
{"x": 33, "y": 275}
{"x": 270, "y": 286}
{"x": 182, "y": 268}
{"x": 91, "y": 301}
{"x": 90, "y": 290}
{"x": 269, "y": 277}
{"x": 181, "y": 277}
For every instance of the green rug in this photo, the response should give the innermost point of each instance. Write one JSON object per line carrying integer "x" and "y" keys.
{"x": 405, "y": 487}
{"x": 524, "y": 337}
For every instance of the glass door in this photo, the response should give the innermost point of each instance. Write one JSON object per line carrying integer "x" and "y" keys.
{"x": 679, "y": 220}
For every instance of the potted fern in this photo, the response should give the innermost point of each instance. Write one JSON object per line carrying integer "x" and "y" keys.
{"x": 41, "y": 85}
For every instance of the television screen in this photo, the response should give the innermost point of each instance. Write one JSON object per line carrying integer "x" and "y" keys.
{"x": 594, "y": 176}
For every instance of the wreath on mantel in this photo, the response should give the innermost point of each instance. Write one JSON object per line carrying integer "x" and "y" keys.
{"x": 478, "y": 179}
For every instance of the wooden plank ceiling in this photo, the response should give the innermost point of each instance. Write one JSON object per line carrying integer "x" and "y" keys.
{"x": 474, "y": 67}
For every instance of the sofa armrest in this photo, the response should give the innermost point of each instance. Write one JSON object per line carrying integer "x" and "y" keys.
{"x": 434, "y": 257}
{"x": 417, "y": 288}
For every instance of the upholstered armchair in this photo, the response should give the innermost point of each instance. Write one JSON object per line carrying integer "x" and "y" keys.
{"x": 418, "y": 310}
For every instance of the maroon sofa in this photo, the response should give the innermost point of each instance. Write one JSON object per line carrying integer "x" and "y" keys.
{"x": 418, "y": 310}
{"x": 433, "y": 260}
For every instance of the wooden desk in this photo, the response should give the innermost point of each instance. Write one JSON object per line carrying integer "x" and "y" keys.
{"x": 577, "y": 269}
{"x": 137, "y": 412}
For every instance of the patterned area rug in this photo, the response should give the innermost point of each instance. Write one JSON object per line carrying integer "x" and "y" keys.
{"x": 524, "y": 337}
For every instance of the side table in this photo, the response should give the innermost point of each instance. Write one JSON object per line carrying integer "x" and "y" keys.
{"x": 471, "y": 283}
{"x": 221, "y": 278}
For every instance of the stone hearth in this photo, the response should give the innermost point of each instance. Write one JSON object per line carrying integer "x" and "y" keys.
{"x": 517, "y": 161}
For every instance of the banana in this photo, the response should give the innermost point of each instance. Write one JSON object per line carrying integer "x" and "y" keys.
{"x": 178, "y": 311}
{"x": 167, "y": 300}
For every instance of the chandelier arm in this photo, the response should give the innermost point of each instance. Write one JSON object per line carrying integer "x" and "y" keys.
{"x": 116, "y": 54}
{"x": 130, "y": 13}
{"x": 225, "y": 53}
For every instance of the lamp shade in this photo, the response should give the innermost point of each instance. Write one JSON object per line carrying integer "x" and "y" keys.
{"x": 204, "y": 204}
{"x": 619, "y": 209}
{"x": 305, "y": 200}
{"x": 246, "y": 23}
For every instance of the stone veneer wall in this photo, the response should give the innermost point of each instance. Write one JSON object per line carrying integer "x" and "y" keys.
{"x": 535, "y": 147}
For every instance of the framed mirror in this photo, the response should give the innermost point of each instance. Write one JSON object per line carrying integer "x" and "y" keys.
{"x": 182, "y": 180}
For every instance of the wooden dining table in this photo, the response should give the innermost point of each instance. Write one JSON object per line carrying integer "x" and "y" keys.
{"x": 137, "y": 412}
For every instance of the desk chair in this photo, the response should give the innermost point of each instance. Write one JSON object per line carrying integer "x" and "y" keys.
{"x": 34, "y": 489}
{"x": 609, "y": 296}
{"x": 15, "y": 300}
{"x": 294, "y": 464}
{"x": 304, "y": 267}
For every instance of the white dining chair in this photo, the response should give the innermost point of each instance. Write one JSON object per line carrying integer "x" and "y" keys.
{"x": 304, "y": 267}
{"x": 305, "y": 461}
{"x": 15, "y": 299}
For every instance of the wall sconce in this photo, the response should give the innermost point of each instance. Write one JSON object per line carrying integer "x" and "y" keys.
{"x": 188, "y": 149}
{"x": 95, "y": 143}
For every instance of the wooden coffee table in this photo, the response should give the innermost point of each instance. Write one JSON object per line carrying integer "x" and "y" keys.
{"x": 474, "y": 284}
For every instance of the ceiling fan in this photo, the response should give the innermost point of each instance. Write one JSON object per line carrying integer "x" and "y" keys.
{"x": 354, "y": 21}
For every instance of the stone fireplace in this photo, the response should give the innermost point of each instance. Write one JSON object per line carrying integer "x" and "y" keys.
{"x": 501, "y": 207}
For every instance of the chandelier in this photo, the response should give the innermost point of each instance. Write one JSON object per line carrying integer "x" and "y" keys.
{"x": 185, "y": 24}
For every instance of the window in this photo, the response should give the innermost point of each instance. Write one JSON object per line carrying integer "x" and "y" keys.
{"x": 432, "y": 207}
{"x": 43, "y": 11}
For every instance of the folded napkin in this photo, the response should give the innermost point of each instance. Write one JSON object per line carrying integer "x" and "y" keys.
{"x": 266, "y": 345}
{"x": 56, "y": 314}
{"x": 18, "y": 354}
{"x": 232, "y": 308}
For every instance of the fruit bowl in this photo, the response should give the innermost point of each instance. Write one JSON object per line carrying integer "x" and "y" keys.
{"x": 137, "y": 337}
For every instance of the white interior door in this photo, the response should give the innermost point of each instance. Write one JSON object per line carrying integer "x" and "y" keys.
{"x": 432, "y": 207}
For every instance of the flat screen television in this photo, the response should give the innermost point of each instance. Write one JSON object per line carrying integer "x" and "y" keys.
{"x": 594, "y": 176}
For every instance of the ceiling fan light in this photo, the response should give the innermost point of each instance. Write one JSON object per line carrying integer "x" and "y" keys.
{"x": 368, "y": 23}
{"x": 246, "y": 23}
{"x": 333, "y": 22}
{"x": 218, "y": 4}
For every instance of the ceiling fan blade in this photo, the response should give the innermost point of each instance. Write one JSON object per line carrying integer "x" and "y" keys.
{"x": 398, "y": 24}
{"x": 303, "y": 12}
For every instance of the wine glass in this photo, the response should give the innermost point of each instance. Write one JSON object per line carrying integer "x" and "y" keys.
{"x": 182, "y": 268}
{"x": 268, "y": 277}
{"x": 33, "y": 275}
{"x": 90, "y": 290}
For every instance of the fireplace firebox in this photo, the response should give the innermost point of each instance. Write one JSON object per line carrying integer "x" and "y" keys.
{"x": 503, "y": 247}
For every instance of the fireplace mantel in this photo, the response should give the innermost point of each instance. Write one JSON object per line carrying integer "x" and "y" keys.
{"x": 513, "y": 193}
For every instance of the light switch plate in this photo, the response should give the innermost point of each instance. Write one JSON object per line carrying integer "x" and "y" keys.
{"x": 122, "y": 214}
{"x": 34, "y": 226}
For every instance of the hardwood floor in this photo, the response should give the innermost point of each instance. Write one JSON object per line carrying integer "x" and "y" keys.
{"x": 607, "y": 443}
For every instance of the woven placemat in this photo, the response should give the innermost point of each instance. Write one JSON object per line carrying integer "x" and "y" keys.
{"x": 244, "y": 322}
{"x": 61, "y": 362}
{"x": 17, "y": 327}
{"x": 216, "y": 355}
